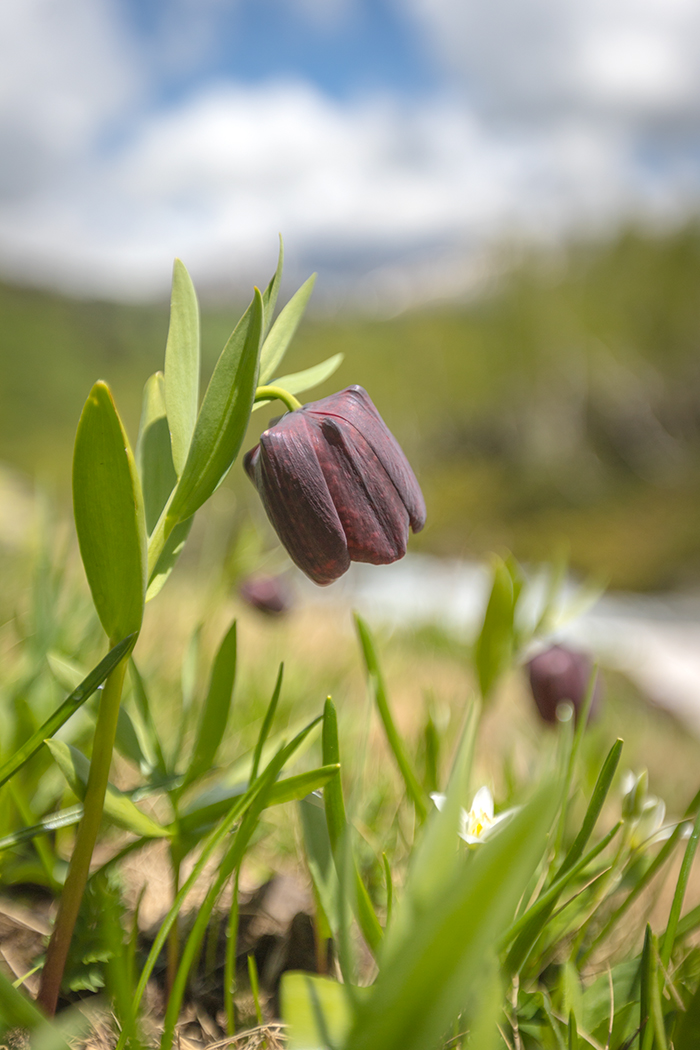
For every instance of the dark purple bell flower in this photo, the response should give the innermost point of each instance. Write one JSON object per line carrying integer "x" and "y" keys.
{"x": 560, "y": 674}
{"x": 336, "y": 485}
{"x": 268, "y": 594}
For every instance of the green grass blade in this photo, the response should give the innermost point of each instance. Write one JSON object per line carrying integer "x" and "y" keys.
{"x": 153, "y": 454}
{"x": 143, "y": 707}
{"x": 369, "y": 652}
{"x": 222, "y": 420}
{"x": 687, "y": 1036}
{"x": 109, "y": 516}
{"x": 216, "y": 708}
{"x": 337, "y": 824}
{"x": 16, "y": 1011}
{"x": 600, "y": 793}
{"x": 435, "y": 958}
{"x": 669, "y": 938}
{"x": 269, "y": 296}
{"x": 298, "y": 382}
{"x": 283, "y": 330}
{"x": 118, "y": 807}
{"x": 317, "y": 1011}
{"x": 182, "y": 365}
{"x": 494, "y": 646}
{"x": 529, "y": 926}
{"x": 657, "y": 863}
{"x": 128, "y": 744}
{"x": 64, "y": 818}
{"x": 213, "y": 841}
{"x": 267, "y": 723}
{"x": 69, "y": 706}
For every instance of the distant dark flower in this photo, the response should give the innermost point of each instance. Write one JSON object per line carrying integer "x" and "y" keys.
{"x": 560, "y": 674}
{"x": 269, "y": 594}
{"x": 336, "y": 485}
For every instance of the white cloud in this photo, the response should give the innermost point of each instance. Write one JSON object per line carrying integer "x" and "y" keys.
{"x": 554, "y": 104}
{"x": 538, "y": 58}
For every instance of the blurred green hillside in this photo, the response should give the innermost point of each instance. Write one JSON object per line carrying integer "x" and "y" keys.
{"x": 561, "y": 407}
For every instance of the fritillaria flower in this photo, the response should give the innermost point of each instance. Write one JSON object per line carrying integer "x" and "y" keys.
{"x": 336, "y": 485}
{"x": 559, "y": 674}
{"x": 268, "y": 594}
{"x": 477, "y": 823}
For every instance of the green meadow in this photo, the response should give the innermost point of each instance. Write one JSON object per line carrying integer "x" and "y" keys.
{"x": 556, "y": 408}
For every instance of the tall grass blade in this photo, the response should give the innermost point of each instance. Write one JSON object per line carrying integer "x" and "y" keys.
{"x": 369, "y": 652}
{"x": 69, "y": 706}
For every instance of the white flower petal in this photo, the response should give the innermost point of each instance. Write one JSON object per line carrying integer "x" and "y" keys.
{"x": 439, "y": 799}
{"x": 483, "y": 802}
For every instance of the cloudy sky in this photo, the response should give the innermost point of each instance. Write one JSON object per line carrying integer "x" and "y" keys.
{"x": 378, "y": 136}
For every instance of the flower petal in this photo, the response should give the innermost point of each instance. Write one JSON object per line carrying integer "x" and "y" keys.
{"x": 294, "y": 492}
{"x": 483, "y": 802}
{"x": 354, "y": 406}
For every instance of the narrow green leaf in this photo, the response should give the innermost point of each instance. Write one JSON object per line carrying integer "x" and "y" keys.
{"x": 153, "y": 453}
{"x": 67, "y": 673}
{"x": 688, "y": 1028}
{"x": 431, "y": 962}
{"x": 64, "y": 818}
{"x": 69, "y": 706}
{"x": 333, "y": 795}
{"x": 128, "y": 744}
{"x": 144, "y": 709}
{"x": 267, "y": 723}
{"x": 269, "y": 296}
{"x": 283, "y": 330}
{"x": 435, "y": 857}
{"x": 213, "y": 804}
{"x": 669, "y": 938}
{"x": 182, "y": 365}
{"x": 294, "y": 788}
{"x": 319, "y": 860}
{"x": 109, "y": 516}
{"x": 215, "y": 711}
{"x": 166, "y": 562}
{"x": 494, "y": 646}
{"x": 657, "y": 863}
{"x": 16, "y": 1011}
{"x": 298, "y": 382}
{"x": 212, "y": 843}
{"x": 223, "y": 418}
{"x": 118, "y": 807}
{"x": 335, "y": 819}
{"x": 413, "y": 787}
{"x": 531, "y": 924}
{"x": 595, "y": 806}
{"x": 316, "y": 1009}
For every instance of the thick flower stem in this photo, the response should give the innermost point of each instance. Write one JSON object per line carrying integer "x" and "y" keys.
{"x": 88, "y": 828}
{"x": 271, "y": 393}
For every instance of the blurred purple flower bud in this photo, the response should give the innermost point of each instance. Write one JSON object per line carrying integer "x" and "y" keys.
{"x": 336, "y": 485}
{"x": 269, "y": 594}
{"x": 560, "y": 674}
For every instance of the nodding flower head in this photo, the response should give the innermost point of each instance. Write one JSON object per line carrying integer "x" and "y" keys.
{"x": 559, "y": 674}
{"x": 336, "y": 485}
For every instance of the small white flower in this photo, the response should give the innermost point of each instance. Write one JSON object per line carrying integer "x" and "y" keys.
{"x": 479, "y": 822}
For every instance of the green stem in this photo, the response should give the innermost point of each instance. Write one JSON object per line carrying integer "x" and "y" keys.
{"x": 173, "y": 950}
{"x": 79, "y": 869}
{"x": 230, "y": 963}
{"x": 272, "y": 393}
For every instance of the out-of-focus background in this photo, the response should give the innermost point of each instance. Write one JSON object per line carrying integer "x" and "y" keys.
{"x": 500, "y": 199}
